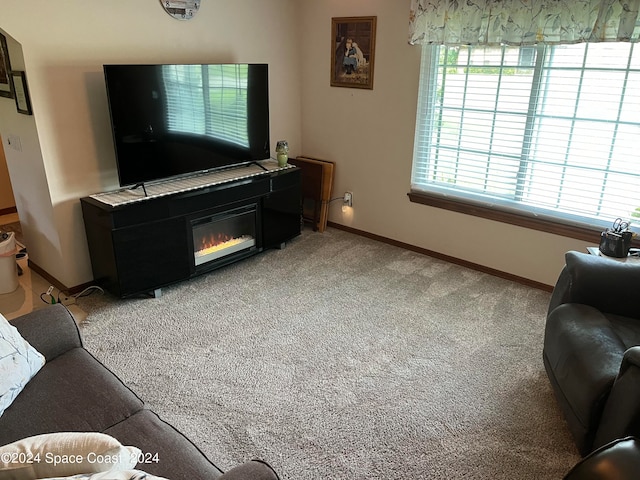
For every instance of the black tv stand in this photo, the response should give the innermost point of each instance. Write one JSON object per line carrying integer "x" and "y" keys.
{"x": 139, "y": 244}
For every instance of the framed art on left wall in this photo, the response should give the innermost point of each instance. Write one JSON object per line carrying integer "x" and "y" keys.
{"x": 5, "y": 69}
{"x": 21, "y": 92}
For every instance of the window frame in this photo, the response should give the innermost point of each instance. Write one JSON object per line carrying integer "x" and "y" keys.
{"x": 487, "y": 209}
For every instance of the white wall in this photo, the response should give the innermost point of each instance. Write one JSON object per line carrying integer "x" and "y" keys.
{"x": 26, "y": 168}
{"x": 369, "y": 133}
{"x": 67, "y": 147}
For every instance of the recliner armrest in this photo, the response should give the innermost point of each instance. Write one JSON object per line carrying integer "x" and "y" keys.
{"x": 631, "y": 359}
{"x": 50, "y": 330}
{"x": 618, "y": 460}
{"x": 621, "y": 413}
{"x": 609, "y": 285}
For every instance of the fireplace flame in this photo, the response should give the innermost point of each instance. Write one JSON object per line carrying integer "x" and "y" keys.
{"x": 221, "y": 241}
{"x": 214, "y": 240}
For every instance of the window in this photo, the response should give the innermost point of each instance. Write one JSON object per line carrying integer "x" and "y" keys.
{"x": 208, "y": 100}
{"x": 549, "y": 132}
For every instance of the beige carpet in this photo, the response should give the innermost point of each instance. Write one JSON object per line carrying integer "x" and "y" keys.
{"x": 343, "y": 358}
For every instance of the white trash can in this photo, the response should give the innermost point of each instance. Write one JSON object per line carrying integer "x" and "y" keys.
{"x": 8, "y": 265}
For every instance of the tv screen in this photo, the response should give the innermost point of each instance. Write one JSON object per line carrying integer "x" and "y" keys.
{"x": 171, "y": 120}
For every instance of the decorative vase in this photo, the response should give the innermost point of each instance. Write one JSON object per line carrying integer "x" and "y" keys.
{"x": 282, "y": 151}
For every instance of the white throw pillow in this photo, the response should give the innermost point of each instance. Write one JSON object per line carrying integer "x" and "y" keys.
{"x": 19, "y": 362}
{"x": 65, "y": 454}
{"x": 123, "y": 475}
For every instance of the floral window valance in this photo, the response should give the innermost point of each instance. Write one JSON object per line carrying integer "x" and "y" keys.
{"x": 522, "y": 22}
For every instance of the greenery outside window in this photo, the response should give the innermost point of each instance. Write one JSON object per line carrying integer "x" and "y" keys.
{"x": 537, "y": 136}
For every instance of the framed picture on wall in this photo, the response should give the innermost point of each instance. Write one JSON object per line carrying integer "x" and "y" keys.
{"x": 5, "y": 69}
{"x": 23, "y": 102}
{"x": 353, "y": 42}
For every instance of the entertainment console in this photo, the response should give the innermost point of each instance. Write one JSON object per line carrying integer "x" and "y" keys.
{"x": 142, "y": 241}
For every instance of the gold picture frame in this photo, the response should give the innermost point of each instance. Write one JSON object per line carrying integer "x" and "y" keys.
{"x": 353, "y": 42}
{"x": 6, "y": 89}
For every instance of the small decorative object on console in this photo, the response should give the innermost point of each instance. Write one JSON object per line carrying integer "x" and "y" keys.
{"x": 616, "y": 241}
{"x": 282, "y": 149}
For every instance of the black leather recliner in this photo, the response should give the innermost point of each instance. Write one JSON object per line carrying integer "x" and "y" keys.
{"x": 592, "y": 348}
{"x": 618, "y": 460}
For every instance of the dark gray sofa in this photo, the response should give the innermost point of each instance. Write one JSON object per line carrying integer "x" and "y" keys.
{"x": 74, "y": 392}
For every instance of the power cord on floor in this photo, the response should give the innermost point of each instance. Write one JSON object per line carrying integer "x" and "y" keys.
{"x": 51, "y": 299}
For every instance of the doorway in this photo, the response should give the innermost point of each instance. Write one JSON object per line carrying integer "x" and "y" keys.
{"x": 9, "y": 219}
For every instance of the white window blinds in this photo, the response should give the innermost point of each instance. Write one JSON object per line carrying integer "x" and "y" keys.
{"x": 546, "y": 131}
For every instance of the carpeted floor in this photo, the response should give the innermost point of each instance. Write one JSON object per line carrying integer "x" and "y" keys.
{"x": 340, "y": 357}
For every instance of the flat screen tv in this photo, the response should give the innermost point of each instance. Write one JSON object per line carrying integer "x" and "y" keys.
{"x": 172, "y": 120}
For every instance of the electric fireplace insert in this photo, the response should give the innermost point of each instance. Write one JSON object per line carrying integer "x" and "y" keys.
{"x": 224, "y": 236}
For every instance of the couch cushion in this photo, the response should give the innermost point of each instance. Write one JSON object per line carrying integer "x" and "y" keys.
{"x": 165, "y": 451}
{"x": 19, "y": 362}
{"x": 73, "y": 392}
